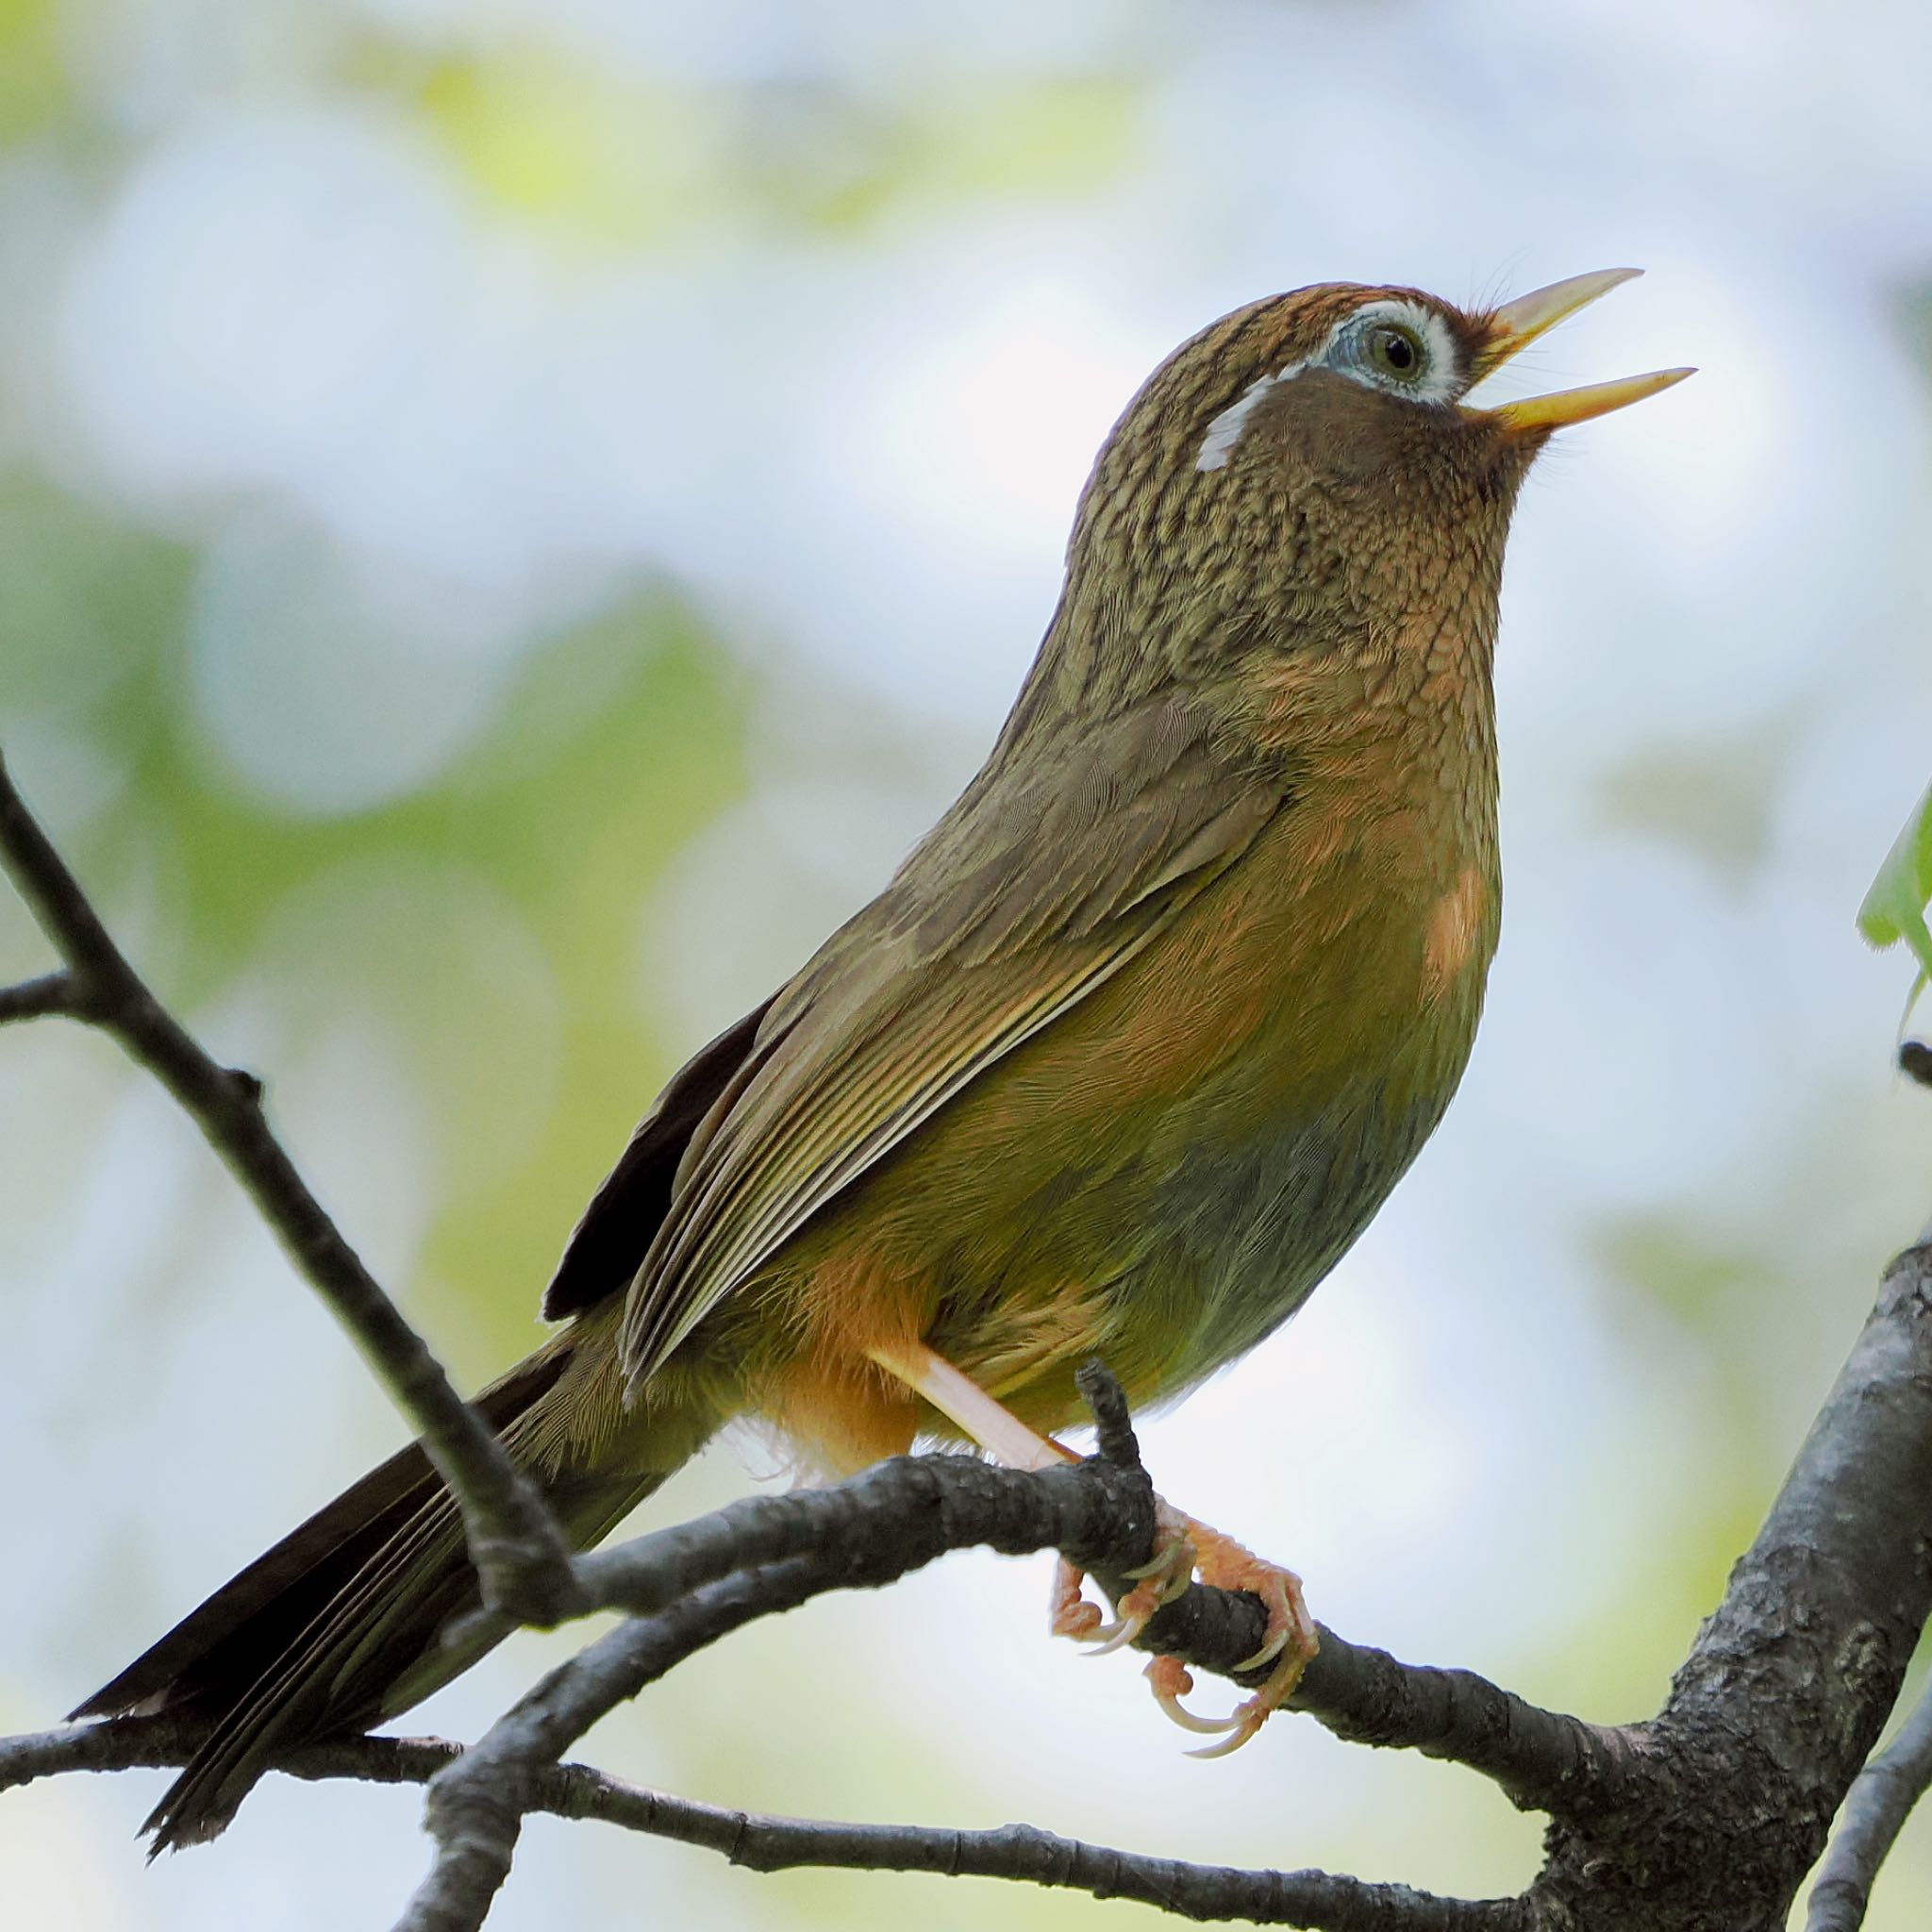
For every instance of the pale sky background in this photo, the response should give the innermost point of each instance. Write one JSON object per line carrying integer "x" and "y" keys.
{"x": 424, "y": 332}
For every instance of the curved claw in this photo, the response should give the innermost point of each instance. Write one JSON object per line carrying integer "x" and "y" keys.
{"x": 1202, "y": 1727}
{"x": 1184, "y": 1546}
{"x": 1268, "y": 1651}
{"x": 1109, "y": 1637}
{"x": 1179, "y": 1582}
{"x": 1239, "y": 1730}
{"x": 1251, "y": 1713}
{"x": 1171, "y": 1680}
{"x": 1168, "y": 1573}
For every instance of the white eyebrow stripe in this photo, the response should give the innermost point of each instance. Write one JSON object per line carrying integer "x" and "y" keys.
{"x": 1225, "y": 430}
{"x": 1443, "y": 381}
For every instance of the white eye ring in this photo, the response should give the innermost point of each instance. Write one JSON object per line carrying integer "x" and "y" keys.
{"x": 1440, "y": 375}
{"x": 1440, "y": 378}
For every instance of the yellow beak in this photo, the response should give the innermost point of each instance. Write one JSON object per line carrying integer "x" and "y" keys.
{"x": 1517, "y": 323}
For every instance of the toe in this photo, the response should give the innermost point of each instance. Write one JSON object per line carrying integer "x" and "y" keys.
{"x": 1069, "y": 1613}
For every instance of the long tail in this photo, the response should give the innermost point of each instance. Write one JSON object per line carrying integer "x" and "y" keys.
{"x": 336, "y": 1629}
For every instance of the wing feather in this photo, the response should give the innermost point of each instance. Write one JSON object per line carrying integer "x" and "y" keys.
{"x": 1034, "y": 892}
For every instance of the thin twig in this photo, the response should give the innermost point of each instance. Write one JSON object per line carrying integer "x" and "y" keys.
{"x": 1874, "y": 1814}
{"x": 124, "y": 1744}
{"x": 764, "y": 1842}
{"x": 39, "y": 999}
{"x": 519, "y": 1550}
{"x": 1023, "y": 1852}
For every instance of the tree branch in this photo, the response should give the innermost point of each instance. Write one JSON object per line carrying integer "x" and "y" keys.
{"x": 1792, "y": 1677}
{"x": 1706, "y": 1816}
{"x": 518, "y": 1548}
{"x": 690, "y": 1585}
{"x": 901, "y": 1514}
{"x": 687, "y": 1588}
{"x": 1874, "y": 1813}
{"x": 764, "y": 1843}
{"x": 1099, "y": 1513}
{"x": 38, "y": 999}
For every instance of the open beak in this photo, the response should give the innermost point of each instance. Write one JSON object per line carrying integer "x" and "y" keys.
{"x": 1517, "y": 323}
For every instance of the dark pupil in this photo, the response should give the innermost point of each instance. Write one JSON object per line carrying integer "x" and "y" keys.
{"x": 1398, "y": 352}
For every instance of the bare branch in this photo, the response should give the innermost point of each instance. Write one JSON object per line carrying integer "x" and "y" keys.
{"x": 1791, "y": 1679}
{"x": 1023, "y": 1853}
{"x": 1874, "y": 1813}
{"x": 519, "y": 1550}
{"x": 762, "y": 1842}
{"x": 124, "y": 1744}
{"x": 904, "y": 1513}
{"x": 1544, "y": 1760}
{"x": 768, "y": 1553}
{"x": 37, "y": 999}
{"x": 1707, "y": 1815}
{"x": 690, "y": 1585}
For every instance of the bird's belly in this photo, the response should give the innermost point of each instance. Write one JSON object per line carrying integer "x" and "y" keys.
{"x": 1250, "y": 1227}
{"x": 1160, "y": 1180}
{"x": 1177, "y": 1242}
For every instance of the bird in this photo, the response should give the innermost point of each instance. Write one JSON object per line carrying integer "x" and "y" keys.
{"x": 1118, "y": 1064}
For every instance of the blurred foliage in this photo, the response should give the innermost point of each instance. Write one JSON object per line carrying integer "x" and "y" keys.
{"x": 1894, "y": 906}
{"x": 33, "y": 80}
{"x": 616, "y": 160}
{"x": 1716, "y": 799}
{"x": 93, "y": 609}
{"x": 616, "y": 739}
{"x": 1682, "y": 1270}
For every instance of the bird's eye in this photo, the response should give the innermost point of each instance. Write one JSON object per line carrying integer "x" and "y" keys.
{"x": 1396, "y": 352}
{"x": 1397, "y": 346}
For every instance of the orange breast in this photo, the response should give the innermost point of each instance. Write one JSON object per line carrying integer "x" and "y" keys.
{"x": 1163, "y": 1174}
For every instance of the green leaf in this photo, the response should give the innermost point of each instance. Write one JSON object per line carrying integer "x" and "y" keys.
{"x": 1894, "y": 906}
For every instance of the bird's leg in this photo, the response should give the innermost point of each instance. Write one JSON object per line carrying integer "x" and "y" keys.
{"x": 1182, "y": 1547}
{"x": 961, "y": 1400}
{"x": 1005, "y": 1436}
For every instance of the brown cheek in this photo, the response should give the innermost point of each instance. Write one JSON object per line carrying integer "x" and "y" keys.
{"x": 1336, "y": 428}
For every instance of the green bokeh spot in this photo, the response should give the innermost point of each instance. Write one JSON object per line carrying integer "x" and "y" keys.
{"x": 1894, "y": 906}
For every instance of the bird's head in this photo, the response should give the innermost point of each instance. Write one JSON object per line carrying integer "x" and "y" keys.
{"x": 1309, "y": 466}
{"x": 1352, "y": 385}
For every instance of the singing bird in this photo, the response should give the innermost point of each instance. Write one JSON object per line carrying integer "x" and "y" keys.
{"x": 1120, "y": 1062}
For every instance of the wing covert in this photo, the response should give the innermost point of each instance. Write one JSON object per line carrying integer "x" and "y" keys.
{"x": 1034, "y": 890}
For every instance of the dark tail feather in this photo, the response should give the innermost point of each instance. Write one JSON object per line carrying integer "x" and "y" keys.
{"x": 337, "y": 1627}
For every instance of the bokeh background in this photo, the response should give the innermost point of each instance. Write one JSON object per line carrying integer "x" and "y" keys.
{"x": 514, "y": 515}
